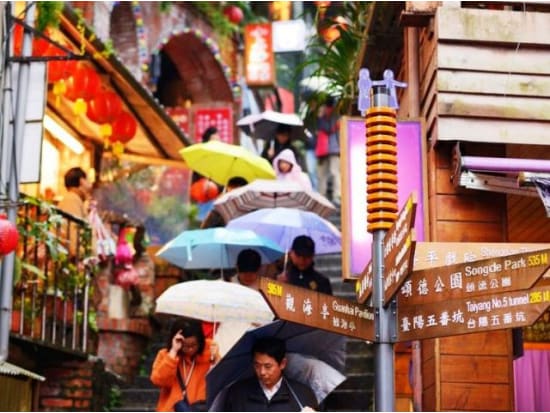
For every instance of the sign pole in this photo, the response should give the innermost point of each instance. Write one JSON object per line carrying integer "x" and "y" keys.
{"x": 381, "y": 168}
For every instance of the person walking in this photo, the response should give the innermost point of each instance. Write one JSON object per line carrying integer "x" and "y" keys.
{"x": 281, "y": 141}
{"x": 269, "y": 390}
{"x": 248, "y": 265}
{"x": 287, "y": 169}
{"x": 300, "y": 271}
{"x": 328, "y": 150}
{"x": 187, "y": 355}
{"x": 311, "y": 159}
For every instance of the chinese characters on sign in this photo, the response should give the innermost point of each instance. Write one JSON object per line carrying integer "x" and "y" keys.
{"x": 472, "y": 315}
{"x": 490, "y": 276}
{"x": 398, "y": 249}
{"x": 259, "y": 58}
{"x": 220, "y": 117}
{"x": 318, "y": 310}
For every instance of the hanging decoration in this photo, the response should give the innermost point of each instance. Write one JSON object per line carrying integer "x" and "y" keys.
{"x": 234, "y": 14}
{"x": 104, "y": 109}
{"x": 124, "y": 129}
{"x": 141, "y": 34}
{"x": 82, "y": 87}
{"x": 9, "y": 236}
{"x": 204, "y": 190}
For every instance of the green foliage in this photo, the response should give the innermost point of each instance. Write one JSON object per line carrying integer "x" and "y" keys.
{"x": 48, "y": 14}
{"x": 338, "y": 60}
{"x": 115, "y": 399}
{"x": 214, "y": 13}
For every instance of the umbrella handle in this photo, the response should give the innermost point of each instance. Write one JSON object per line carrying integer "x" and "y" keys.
{"x": 300, "y": 405}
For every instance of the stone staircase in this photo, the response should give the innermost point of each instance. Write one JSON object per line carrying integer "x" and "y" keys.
{"x": 356, "y": 393}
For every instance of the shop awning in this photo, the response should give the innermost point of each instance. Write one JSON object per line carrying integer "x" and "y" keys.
{"x": 158, "y": 139}
{"x": 9, "y": 369}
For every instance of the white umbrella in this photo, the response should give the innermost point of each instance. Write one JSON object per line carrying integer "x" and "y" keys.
{"x": 264, "y": 125}
{"x": 214, "y": 301}
{"x": 264, "y": 193}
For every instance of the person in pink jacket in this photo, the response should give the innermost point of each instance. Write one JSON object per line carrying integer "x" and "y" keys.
{"x": 288, "y": 169}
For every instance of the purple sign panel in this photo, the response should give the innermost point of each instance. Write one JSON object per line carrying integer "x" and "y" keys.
{"x": 356, "y": 241}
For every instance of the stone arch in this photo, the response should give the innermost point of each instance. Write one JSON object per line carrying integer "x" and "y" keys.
{"x": 199, "y": 64}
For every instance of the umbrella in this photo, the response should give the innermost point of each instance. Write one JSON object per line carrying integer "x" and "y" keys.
{"x": 214, "y": 301}
{"x": 282, "y": 225}
{"x": 221, "y": 161}
{"x": 264, "y": 193}
{"x": 315, "y": 357}
{"x": 216, "y": 248}
{"x": 264, "y": 125}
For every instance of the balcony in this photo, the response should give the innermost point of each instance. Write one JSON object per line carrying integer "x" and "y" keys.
{"x": 52, "y": 280}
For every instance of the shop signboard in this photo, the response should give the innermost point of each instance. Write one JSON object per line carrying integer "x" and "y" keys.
{"x": 219, "y": 116}
{"x": 259, "y": 59}
{"x": 314, "y": 309}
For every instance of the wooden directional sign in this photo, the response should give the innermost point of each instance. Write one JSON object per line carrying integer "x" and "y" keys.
{"x": 473, "y": 315}
{"x": 398, "y": 250}
{"x": 323, "y": 311}
{"x": 465, "y": 280}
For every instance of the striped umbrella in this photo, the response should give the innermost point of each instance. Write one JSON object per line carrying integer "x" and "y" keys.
{"x": 263, "y": 193}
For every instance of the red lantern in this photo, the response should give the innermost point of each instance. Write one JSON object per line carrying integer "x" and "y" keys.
{"x": 234, "y": 14}
{"x": 83, "y": 84}
{"x": 104, "y": 108}
{"x": 39, "y": 44}
{"x": 8, "y": 235}
{"x": 124, "y": 128}
{"x": 204, "y": 190}
{"x": 59, "y": 69}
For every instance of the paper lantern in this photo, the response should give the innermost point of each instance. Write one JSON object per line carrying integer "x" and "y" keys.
{"x": 106, "y": 107}
{"x": 39, "y": 44}
{"x": 124, "y": 128}
{"x": 59, "y": 69}
{"x": 9, "y": 236}
{"x": 82, "y": 86}
{"x": 204, "y": 190}
{"x": 234, "y": 14}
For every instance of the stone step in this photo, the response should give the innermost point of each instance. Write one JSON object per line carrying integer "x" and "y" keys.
{"x": 135, "y": 396}
{"x": 349, "y": 401}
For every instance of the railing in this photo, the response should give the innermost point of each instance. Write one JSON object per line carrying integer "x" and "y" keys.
{"x": 53, "y": 275}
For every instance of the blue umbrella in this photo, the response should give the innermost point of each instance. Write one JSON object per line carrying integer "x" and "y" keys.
{"x": 216, "y": 248}
{"x": 282, "y": 225}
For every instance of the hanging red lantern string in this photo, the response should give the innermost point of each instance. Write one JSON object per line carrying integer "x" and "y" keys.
{"x": 124, "y": 129}
{"x": 104, "y": 109}
{"x": 82, "y": 86}
{"x": 58, "y": 72}
{"x": 39, "y": 44}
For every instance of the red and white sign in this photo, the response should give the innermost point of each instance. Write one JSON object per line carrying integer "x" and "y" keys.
{"x": 180, "y": 115}
{"x": 258, "y": 55}
{"x": 220, "y": 117}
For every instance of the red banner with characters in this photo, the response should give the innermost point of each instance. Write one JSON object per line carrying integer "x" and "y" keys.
{"x": 219, "y": 117}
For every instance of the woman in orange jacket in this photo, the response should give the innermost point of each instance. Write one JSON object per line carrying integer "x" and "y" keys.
{"x": 189, "y": 352}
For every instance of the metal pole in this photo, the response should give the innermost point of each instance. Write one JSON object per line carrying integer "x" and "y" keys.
{"x": 383, "y": 348}
{"x": 14, "y": 173}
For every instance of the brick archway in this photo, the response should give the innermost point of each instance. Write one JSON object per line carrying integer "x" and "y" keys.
{"x": 201, "y": 73}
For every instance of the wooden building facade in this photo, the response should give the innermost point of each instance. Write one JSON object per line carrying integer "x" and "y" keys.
{"x": 479, "y": 76}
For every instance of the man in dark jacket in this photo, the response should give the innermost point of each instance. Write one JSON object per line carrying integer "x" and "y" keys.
{"x": 270, "y": 390}
{"x": 300, "y": 269}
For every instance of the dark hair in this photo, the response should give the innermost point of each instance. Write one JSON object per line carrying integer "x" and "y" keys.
{"x": 237, "y": 181}
{"x": 248, "y": 260}
{"x": 282, "y": 128}
{"x": 73, "y": 177}
{"x": 207, "y": 134}
{"x": 272, "y": 346}
{"x": 189, "y": 328}
{"x": 330, "y": 102}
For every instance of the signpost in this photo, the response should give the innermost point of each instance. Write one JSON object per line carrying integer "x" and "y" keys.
{"x": 398, "y": 254}
{"x": 473, "y": 315}
{"x": 323, "y": 311}
{"x": 465, "y": 280}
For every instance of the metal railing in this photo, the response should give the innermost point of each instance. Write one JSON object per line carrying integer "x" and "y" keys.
{"x": 53, "y": 276}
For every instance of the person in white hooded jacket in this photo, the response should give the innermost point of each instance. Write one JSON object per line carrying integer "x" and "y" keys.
{"x": 288, "y": 169}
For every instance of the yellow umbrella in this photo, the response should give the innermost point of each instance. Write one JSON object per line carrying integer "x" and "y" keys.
{"x": 221, "y": 161}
